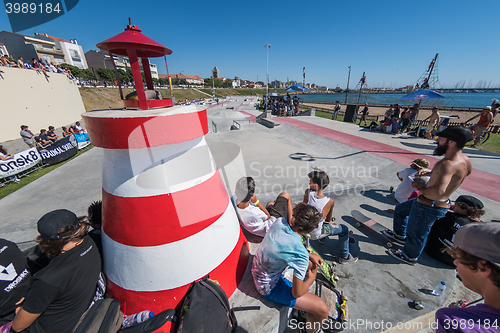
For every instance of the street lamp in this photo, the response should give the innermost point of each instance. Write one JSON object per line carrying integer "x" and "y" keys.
{"x": 267, "y": 46}
{"x": 347, "y": 90}
{"x": 213, "y": 86}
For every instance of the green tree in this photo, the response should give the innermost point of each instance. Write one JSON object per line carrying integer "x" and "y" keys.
{"x": 106, "y": 74}
{"x": 88, "y": 74}
{"x": 77, "y": 72}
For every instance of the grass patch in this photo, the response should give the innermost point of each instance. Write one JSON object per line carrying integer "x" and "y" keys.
{"x": 12, "y": 187}
{"x": 492, "y": 145}
{"x": 339, "y": 117}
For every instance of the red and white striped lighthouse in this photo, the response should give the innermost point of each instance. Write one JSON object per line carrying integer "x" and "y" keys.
{"x": 167, "y": 217}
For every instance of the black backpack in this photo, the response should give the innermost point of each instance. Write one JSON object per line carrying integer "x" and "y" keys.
{"x": 104, "y": 316}
{"x": 205, "y": 309}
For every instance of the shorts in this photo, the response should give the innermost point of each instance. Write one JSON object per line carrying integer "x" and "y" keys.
{"x": 280, "y": 208}
{"x": 282, "y": 293}
{"x": 335, "y": 113}
{"x": 479, "y": 131}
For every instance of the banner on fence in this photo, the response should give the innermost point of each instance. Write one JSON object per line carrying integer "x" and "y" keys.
{"x": 82, "y": 139}
{"x": 59, "y": 151}
{"x": 20, "y": 162}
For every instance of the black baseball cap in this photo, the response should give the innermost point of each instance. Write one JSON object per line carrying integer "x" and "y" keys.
{"x": 52, "y": 222}
{"x": 458, "y": 134}
{"x": 470, "y": 201}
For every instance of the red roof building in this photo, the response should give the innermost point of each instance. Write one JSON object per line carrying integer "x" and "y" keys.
{"x": 189, "y": 78}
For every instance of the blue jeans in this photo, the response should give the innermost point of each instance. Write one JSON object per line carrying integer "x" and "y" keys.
{"x": 343, "y": 232}
{"x": 414, "y": 220}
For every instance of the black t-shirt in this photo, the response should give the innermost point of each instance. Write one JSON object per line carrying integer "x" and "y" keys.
{"x": 63, "y": 290}
{"x": 442, "y": 235}
{"x": 14, "y": 279}
{"x": 51, "y": 135}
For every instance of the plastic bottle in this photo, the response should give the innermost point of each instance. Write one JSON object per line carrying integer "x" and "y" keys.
{"x": 137, "y": 318}
{"x": 439, "y": 290}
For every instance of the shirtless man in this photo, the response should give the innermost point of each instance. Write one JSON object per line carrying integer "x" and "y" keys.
{"x": 414, "y": 218}
{"x": 433, "y": 122}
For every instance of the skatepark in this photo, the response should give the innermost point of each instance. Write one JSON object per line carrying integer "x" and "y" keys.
{"x": 362, "y": 166}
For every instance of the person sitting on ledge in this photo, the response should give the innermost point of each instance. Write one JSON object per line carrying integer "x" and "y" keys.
{"x": 44, "y": 137}
{"x": 79, "y": 128}
{"x": 73, "y": 130}
{"x": 61, "y": 292}
{"x": 65, "y": 132}
{"x": 4, "y": 156}
{"x": 282, "y": 247}
{"x": 466, "y": 209}
{"x": 477, "y": 257}
{"x": 256, "y": 218}
{"x": 20, "y": 63}
{"x": 40, "y": 144}
{"x": 51, "y": 135}
{"x": 4, "y": 60}
{"x": 314, "y": 196}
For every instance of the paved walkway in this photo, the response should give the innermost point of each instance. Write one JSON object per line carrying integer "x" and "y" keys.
{"x": 379, "y": 287}
{"x": 280, "y": 158}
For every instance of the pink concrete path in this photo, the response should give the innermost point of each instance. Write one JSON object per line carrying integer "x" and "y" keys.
{"x": 479, "y": 182}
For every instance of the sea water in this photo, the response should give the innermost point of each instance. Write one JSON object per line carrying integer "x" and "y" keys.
{"x": 463, "y": 100}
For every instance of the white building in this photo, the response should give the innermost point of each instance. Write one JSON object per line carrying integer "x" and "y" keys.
{"x": 73, "y": 53}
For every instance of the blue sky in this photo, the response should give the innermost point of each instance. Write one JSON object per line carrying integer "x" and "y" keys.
{"x": 392, "y": 41}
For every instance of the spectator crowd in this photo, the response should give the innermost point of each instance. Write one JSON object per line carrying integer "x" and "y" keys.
{"x": 282, "y": 107}
{"x": 40, "y": 65}
{"x": 46, "y": 138}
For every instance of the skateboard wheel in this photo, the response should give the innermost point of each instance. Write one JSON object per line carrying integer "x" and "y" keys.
{"x": 351, "y": 232}
{"x": 336, "y": 278}
{"x": 344, "y": 298}
{"x": 389, "y": 244}
{"x": 358, "y": 224}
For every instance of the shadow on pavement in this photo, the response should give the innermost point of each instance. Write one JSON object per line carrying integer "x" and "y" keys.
{"x": 380, "y": 195}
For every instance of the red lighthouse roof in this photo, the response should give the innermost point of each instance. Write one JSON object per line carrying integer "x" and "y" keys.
{"x": 132, "y": 37}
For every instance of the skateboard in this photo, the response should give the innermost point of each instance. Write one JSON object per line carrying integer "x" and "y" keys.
{"x": 326, "y": 270}
{"x": 362, "y": 219}
{"x": 335, "y": 301}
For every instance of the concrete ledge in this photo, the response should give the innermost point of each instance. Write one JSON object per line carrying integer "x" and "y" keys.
{"x": 310, "y": 112}
{"x": 268, "y": 122}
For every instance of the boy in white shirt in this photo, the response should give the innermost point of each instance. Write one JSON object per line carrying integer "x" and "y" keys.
{"x": 256, "y": 218}
{"x": 405, "y": 189}
{"x": 314, "y": 196}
